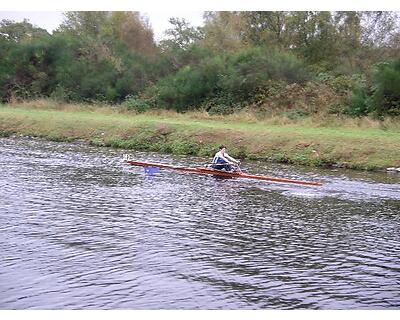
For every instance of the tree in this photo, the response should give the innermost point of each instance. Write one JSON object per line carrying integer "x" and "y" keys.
{"x": 84, "y": 23}
{"x": 134, "y": 31}
{"x": 380, "y": 37}
{"x": 181, "y": 46}
{"x": 223, "y": 31}
{"x": 181, "y": 35}
{"x": 22, "y": 68}
{"x": 380, "y": 29}
{"x": 312, "y": 35}
{"x": 20, "y": 31}
{"x": 108, "y": 29}
{"x": 265, "y": 28}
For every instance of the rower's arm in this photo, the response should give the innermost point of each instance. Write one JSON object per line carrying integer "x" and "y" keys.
{"x": 225, "y": 158}
{"x": 231, "y": 159}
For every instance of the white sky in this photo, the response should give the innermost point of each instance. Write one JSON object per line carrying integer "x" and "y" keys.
{"x": 50, "y": 20}
{"x": 47, "y": 14}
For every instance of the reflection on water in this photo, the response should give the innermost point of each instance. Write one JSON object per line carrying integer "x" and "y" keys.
{"x": 81, "y": 230}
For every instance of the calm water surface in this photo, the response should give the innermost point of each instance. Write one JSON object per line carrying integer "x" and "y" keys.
{"x": 81, "y": 230}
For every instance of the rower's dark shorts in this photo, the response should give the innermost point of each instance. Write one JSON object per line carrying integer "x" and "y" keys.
{"x": 221, "y": 166}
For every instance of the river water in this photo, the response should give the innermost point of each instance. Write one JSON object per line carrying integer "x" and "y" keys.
{"x": 79, "y": 229}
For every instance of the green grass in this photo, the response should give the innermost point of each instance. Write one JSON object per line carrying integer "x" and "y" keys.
{"x": 300, "y": 143}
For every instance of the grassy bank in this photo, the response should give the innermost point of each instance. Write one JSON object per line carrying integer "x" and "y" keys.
{"x": 358, "y": 144}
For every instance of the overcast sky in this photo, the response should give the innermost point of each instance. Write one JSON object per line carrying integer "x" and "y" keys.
{"x": 47, "y": 14}
{"x": 50, "y": 20}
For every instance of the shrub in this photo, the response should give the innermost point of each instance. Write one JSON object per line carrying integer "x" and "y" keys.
{"x": 187, "y": 88}
{"x": 380, "y": 95}
{"x": 341, "y": 84}
{"x": 221, "y": 104}
{"x": 250, "y": 70}
{"x": 337, "y": 108}
{"x": 296, "y": 114}
{"x": 135, "y": 103}
{"x": 229, "y": 78}
{"x": 385, "y": 98}
{"x": 358, "y": 105}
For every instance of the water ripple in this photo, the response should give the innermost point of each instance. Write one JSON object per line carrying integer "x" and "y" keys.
{"x": 80, "y": 230}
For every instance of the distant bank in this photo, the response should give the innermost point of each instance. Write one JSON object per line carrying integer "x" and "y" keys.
{"x": 306, "y": 143}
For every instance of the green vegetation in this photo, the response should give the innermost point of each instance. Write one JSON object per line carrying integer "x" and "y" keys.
{"x": 381, "y": 94}
{"x": 359, "y": 145}
{"x": 315, "y": 88}
{"x": 344, "y": 63}
{"x": 226, "y": 80}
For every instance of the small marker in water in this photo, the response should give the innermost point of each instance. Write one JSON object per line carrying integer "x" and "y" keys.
{"x": 151, "y": 170}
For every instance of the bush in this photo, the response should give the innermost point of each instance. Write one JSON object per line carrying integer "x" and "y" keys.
{"x": 380, "y": 95}
{"x": 135, "y": 103}
{"x": 72, "y": 68}
{"x": 311, "y": 97}
{"x": 250, "y": 70}
{"x": 385, "y": 98}
{"x": 221, "y": 105}
{"x": 337, "y": 108}
{"x": 358, "y": 102}
{"x": 231, "y": 77}
{"x": 296, "y": 114}
{"x": 341, "y": 84}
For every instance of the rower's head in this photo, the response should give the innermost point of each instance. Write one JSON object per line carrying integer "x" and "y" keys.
{"x": 222, "y": 148}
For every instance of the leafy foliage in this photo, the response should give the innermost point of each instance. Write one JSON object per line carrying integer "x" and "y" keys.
{"x": 136, "y": 103}
{"x": 359, "y": 102}
{"x": 236, "y": 59}
{"x": 20, "y": 31}
{"x": 227, "y": 78}
{"x": 386, "y": 88}
{"x": 381, "y": 94}
{"x": 76, "y": 63}
{"x": 181, "y": 35}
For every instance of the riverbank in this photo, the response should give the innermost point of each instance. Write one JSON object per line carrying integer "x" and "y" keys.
{"x": 358, "y": 147}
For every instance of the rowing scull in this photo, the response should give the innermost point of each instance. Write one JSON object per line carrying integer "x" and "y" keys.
{"x": 219, "y": 173}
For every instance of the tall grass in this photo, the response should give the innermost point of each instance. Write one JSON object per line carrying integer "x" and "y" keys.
{"x": 355, "y": 143}
{"x": 318, "y": 120}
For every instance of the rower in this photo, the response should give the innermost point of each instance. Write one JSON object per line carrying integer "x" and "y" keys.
{"x": 222, "y": 160}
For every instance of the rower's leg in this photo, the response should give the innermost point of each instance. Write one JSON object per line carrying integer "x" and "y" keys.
{"x": 217, "y": 166}
{"x": 228, "y": 167}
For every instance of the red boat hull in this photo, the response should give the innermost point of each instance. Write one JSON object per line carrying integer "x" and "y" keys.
{"x": 220, "y": 173}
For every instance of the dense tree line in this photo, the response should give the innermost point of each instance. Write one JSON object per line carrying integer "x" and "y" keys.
{"x": 234, "y": 60}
